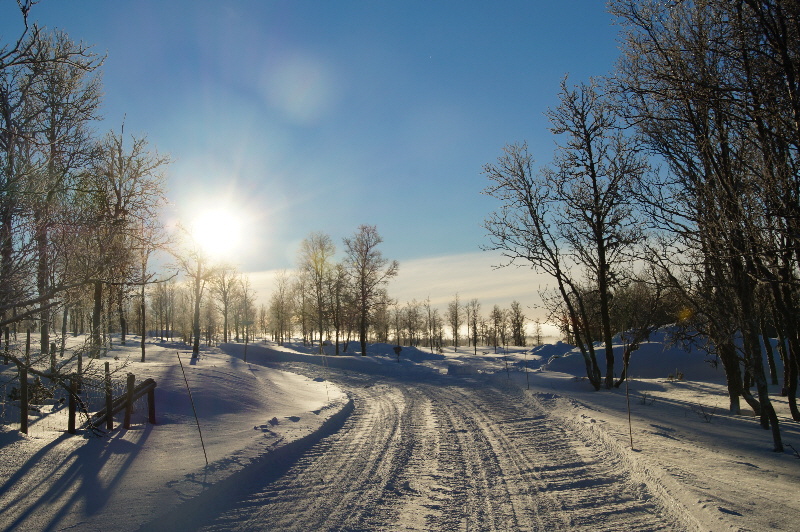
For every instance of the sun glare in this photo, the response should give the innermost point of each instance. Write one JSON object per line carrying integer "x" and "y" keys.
{"x": 218, "y": 232}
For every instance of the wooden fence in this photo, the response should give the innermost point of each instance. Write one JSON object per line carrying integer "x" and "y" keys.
{"x": 78, "y": 401}
{"x": 125, "y": 402}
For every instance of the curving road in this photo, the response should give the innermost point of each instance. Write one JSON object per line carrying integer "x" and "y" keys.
{"x": 447, "y": 453}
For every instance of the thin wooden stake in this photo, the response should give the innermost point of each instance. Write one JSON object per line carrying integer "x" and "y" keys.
{"x": 628, "y": 398}
{"x": 193, "y": 408}
{"x": 73, "y": 390}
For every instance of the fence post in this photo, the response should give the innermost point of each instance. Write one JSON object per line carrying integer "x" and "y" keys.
{"x": 73, "y": 389}
{"x": 80, "y": 373}
{"x": 23, "y": 399}
{"x": 109, "y": 401}
{"x": 129, "y": 400}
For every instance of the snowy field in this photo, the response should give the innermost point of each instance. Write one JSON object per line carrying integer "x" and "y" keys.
{"x": 451, "y": 441}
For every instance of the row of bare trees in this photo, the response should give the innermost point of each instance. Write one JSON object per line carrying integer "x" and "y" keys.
{"x": 226, "y": 312}
{"x": 335, "y": 300}
{"x": 325, "y": 300}
{"x": 502, "y": 327}
{"x": 683, "y": 165}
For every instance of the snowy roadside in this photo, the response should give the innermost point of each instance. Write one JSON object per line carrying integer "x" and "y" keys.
{"x": 715, "y": 470}
{"x": 52, "y": 481}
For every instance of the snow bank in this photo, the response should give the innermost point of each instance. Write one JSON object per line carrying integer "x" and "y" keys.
{"x": 656, "y": 358}
{"x": 251, "y": 417}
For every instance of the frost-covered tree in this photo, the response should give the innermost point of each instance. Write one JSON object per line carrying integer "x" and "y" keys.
{"x": 199, "y": 271}
{"x": 223, "y": 287}
{"x": 370, "y": 272}
{"x": 315, "y": 260}
{"x": 280, "y": 308}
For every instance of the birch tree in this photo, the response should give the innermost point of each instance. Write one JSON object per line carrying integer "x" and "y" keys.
{"x": 370, "y": 272}
{"x": 316, "y": 262}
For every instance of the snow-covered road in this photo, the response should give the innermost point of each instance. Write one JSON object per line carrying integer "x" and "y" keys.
{"x": 443, "y": 453}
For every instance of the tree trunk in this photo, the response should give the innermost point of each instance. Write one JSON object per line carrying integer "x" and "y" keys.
{"x": 198, "y": 292}
{"x": 733, "y": 376}
{"x": 64, "y": 318}
{"x": 196, "y": 328}
{"x": 362, "y": 333}
{"x": 790, "y": 370}
{"x": 123, "y": 321}
{"x": 97, "y": 314}
{"x": 773, "y": 370}
{"x": 605, "y": 317}
{"x": 144, "y": 324}
{"x": 42, "y": 281}
{"x": 225, "y": 321}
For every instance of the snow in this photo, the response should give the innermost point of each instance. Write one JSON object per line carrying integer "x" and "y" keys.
{"x": 702, "y": 467}
{"x": 53, "y": 481}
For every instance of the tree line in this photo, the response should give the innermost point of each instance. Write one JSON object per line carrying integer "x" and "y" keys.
{"x": 318, "y": 302}
{"x": 675, "y": 177}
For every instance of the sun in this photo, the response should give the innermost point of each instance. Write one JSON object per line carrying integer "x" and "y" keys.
{"x": 218, "y": 232}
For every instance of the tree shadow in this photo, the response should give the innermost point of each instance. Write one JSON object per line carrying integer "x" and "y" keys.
{"x": 79, "y": 478}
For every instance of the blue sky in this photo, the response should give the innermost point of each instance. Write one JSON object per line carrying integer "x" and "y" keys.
{"x": 325, "y": 115}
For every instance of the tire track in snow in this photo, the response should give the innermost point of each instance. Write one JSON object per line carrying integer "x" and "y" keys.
{"x": 551, "y": 478}
{"x": 338, "y": 483}
{"x": 449, "y": 454}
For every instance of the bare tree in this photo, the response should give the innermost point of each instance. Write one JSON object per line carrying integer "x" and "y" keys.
{"x": 199, "y": 270}
{"x": 574, "y": 215}
{"x": 712, "y": 89}
{"x": 47, "y": 96}
{"x": 341, "y": 296}
{"x": 222, "y": 286}
{"x": 65, "y": 96}
{"x": 248, "y": 310}
{"x": 517, "y": 322}
{"x": 596, "y": 167}
{"x": 432, "y": 324}
{"x": 454, "y": 315}
{"x": 413, "y": 322}
{"x": 522, "y": 229}
{"x": 370, "y": 272}
{"x": 123, "y": 193}
{"x": 280, "y": 308}
{"x": 473, "y": 310}
{"x": 315, "y": 261}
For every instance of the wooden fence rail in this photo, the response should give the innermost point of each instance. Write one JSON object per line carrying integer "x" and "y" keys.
{"x": 125, "y": 402}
